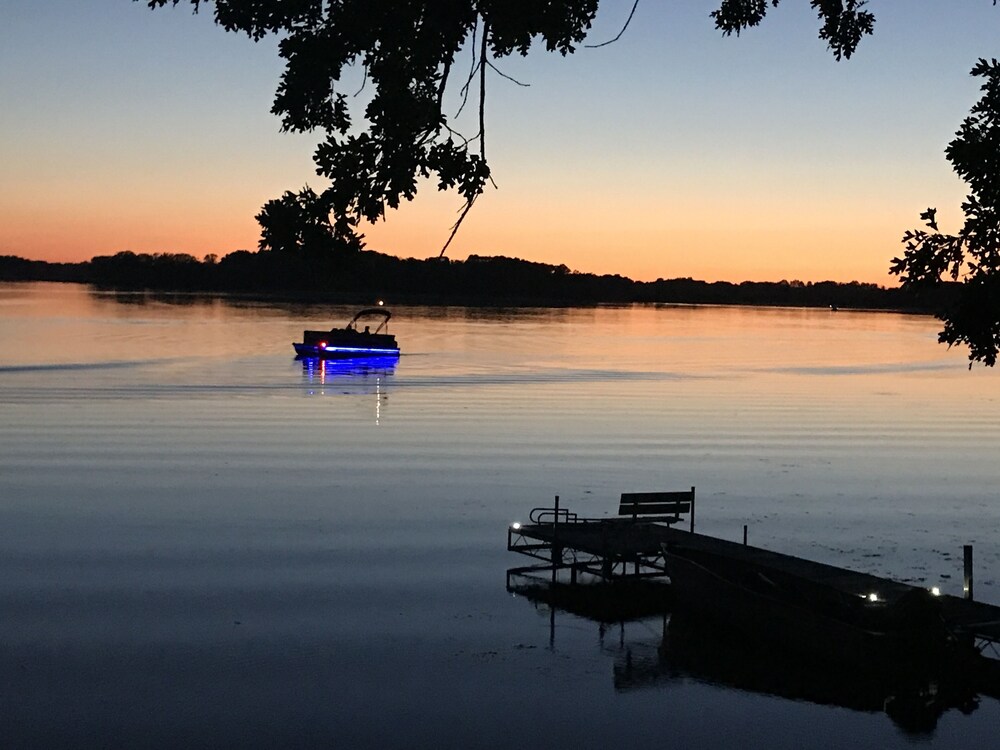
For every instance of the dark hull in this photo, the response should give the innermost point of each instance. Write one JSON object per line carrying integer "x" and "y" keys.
{"x": 345, "y": 351}
{"x": 345, "y": 343}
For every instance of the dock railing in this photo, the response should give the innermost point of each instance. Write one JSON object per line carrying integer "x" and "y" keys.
{"x": 553, "y": 532}
{"x": 554, "y": 515}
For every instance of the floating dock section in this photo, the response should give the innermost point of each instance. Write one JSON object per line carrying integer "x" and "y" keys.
{"x": 630, "y": 548}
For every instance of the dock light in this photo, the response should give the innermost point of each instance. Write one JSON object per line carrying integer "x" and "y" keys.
{"x": 935, "y": 591}
{"x": 516, "y": 526}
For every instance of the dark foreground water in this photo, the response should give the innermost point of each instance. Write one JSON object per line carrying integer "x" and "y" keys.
{"x": 205, "y": 543}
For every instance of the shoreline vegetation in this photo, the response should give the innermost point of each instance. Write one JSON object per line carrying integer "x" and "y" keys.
{"x": 361, "y": 277}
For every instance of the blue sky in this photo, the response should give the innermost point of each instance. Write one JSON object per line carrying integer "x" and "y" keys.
{"x": 675, "y": 152}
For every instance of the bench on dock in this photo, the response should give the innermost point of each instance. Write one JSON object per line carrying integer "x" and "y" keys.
{"x": 659, "y": 507}
{"x": 667, "y": 507}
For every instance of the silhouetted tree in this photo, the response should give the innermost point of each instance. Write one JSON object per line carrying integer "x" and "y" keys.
{"x": 298, "y": 224}
{"x": 407, "y": 50}
{"x": 972, "y": 256}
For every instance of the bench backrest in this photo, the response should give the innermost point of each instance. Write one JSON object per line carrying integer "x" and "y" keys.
{"x": 672, "y": 504}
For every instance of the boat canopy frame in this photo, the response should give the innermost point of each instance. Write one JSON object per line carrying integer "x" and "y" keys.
{"x": 373, "y": 312}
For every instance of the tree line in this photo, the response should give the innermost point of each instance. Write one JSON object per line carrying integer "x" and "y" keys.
{"x": 479, "y": 280}
{"x": 374, "y": 151}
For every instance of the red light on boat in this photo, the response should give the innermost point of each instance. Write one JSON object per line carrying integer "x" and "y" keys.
{"x": 322, "y": 345}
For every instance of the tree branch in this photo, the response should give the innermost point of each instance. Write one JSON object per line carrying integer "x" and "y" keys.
{"x": 627, "y": 22}
{"x": 482, "y": 91}
{"x": 472, "y": 70}
{"x": 454, "y": 229}
{"x": 504, "y": 75}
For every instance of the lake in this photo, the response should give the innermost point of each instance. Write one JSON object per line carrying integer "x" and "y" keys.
{"x": 208, "y": 543}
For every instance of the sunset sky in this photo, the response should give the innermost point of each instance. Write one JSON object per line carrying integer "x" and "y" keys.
{"x": 675, "y": 152}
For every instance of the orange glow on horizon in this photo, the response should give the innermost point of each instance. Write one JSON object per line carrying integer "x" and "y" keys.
{"x": 676, "y": 153}
{"x": 643, "y": 254}
{"x": 643, "y": 237}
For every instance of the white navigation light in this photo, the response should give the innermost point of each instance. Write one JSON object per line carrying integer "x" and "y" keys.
{"x": 516, "y": 526}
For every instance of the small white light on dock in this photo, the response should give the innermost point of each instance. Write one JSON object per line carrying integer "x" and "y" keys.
{"x": 935, "y": 591}
{"x": 873, "y": 597}
{"x": 516, "y": 526}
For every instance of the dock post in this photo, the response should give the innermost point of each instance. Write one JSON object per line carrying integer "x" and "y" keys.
{"x": 692, "y": 510}
{"x": 556, "y": 549}
{"x": 967, "y": 588}
{"x": 744, "y": 535}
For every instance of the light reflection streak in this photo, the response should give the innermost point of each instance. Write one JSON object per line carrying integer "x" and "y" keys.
{"x": 358, "y": 371}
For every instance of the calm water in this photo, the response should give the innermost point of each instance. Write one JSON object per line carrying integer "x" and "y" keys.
{"x": 204, "y": 543}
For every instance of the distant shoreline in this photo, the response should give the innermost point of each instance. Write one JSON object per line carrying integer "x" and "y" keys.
{"x": 362, "y": 277}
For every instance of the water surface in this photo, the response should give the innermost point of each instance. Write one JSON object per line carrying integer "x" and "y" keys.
{"x": 204, "y": 542}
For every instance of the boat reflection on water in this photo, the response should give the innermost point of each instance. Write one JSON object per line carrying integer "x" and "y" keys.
{"x": 319, "y": 371}
{"x": 690, "y": 649}
{"x": 364, "y": 375}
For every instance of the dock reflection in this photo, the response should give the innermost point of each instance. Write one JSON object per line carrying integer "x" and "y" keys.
{"x": 691, "y": 649}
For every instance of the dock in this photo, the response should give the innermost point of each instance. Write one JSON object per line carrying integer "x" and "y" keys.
{"x": 631, "y": 548}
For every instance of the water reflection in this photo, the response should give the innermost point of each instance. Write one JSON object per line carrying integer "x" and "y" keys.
{"x": 318, "y": 371}
{"x": 366, "y": 375}
{"x": 913, "y": 699}
{"x": 686, "y": 648}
